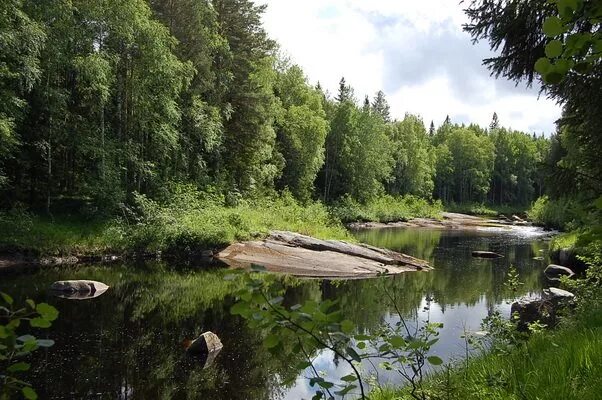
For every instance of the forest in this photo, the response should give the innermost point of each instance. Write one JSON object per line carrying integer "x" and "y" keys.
{"x": 107, "y": 100}
{"x": 169, "y": 128}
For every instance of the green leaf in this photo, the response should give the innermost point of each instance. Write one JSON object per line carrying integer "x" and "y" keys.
{"x": 239, "y": 308}
{"x": 552, "y": 26}
{"x": 397, "y": 342}
{"x": 39, "y": 323}
{"x": 3, "y": 332}
{"x": 353, "y": 354}
{"x": 554, "y": 49}
{"x": 434, "y": 360}
{"x": 19, "y": 367}
{"x": 566, "y": 7}
{"x": 29, "y": 393}
{"x": 347, "y": 326}
{"x": 47, "y": 311}
{"x": 543, "y": 65}
{"x": 31, "y": 303}
{"x": 26, "y": 338}
{"x": 349, "y": 378}
{"x": 553, "y": 77}
{"x": 7, "y": 299}
{"x": 345, "y": 390}
{"x": 303, "y": 365}
{"x": 271, "y": 341}
{"x": 582, "y": 67}
{"x": 325, "y": 384}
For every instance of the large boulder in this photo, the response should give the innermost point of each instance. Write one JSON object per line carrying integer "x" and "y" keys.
{"x": 554, "y": 272}
{"x": 486, "y": 254}
{"x": 543, "y": 308}
{"x": 207, "y": 346}
{"x": 78, "y": 289}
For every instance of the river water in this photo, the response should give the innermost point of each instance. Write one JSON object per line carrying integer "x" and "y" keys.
{"x": 127, "y": 343}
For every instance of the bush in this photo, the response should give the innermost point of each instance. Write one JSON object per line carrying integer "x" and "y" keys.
{"x": 562, "y": 214}
{"x": 386, "y": 209}
{"x": 192, "y": 221}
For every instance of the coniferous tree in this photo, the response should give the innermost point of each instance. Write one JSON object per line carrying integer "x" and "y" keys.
{"x": 381, "y": 107}
{"x": 495, "y": 123}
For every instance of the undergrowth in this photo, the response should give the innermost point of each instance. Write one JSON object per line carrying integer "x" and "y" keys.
{"x": 386, "y": 209}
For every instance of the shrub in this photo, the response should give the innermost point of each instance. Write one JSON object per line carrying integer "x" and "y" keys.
{"x": 386, "y": 209}
{"x": 562, "y": 214}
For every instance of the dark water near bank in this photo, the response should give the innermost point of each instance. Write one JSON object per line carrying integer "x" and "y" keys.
{"x": 126, "y": 344}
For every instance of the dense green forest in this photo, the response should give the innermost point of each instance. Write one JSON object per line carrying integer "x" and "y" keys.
{"x": 107, "y": 99}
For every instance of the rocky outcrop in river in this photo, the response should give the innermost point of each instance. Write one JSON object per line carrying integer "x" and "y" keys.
{"x": 301, "y": 255}
{"x": 542, "y": 308}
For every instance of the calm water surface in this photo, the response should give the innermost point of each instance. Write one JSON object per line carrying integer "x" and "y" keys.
{"x": 126, "y": 344}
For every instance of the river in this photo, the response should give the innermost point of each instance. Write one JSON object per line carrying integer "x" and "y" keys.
{"x": 127, "y": 343}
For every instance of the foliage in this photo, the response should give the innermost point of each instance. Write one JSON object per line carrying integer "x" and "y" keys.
{"x": 191, "y": 221}
{"x": 15, "y": 347}
{"x": 575, "y": 40}
{"x": 563, "y": 214}
{"x": 484, "y": 209}
{"x": 414, "y": 157}
{"x": 301, "y": 132}
{"x": 322, "y": 326}
{"x": 386, "y": 209}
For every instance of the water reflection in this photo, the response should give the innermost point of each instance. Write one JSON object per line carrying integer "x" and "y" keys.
{"x": 127, "y": 344}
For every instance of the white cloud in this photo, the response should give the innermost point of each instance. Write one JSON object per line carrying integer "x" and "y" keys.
{"x": 415, "y": 51}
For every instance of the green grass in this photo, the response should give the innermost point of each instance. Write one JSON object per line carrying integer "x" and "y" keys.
{"x": 562, "y": 214}
{"x": 485, "y": 210}
{"x": 386, "y": 209}
{"x": 26, "y": 232}
{"x": 563, "y": 364}
{"x": 564, "y": 241}
{"x": 188, "y": 223}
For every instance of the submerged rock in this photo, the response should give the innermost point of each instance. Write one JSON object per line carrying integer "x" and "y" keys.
{"x": 486, "y": 254}
{"x": 554, "y": 272}
{"x": 207, "y": 346}
{"x": 301, "y": 255}
{"x": 78, "y": 289}
{"x": 542, "y": 309}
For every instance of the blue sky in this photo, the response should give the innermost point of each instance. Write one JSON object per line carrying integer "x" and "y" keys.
{"x": 414, "y": 51}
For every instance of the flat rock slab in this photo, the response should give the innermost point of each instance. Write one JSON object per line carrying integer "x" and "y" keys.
{"x": 304, "y": 256}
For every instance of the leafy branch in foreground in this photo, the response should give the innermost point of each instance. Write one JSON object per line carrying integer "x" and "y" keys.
{"x": 575, "y": 39}
{"x": 14, "y": 347}
{"x": 315, "y": 327}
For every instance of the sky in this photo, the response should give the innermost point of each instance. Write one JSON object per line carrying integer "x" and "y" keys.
{"x": 415, "y": 51}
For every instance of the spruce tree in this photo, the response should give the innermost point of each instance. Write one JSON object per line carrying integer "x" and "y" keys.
{"x": 381, "y": 107}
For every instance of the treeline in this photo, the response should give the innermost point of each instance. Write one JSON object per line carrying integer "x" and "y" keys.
{"x": 101, "y": 100}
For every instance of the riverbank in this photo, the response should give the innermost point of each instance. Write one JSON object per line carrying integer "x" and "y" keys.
{"x": 190, "y": 224}
{"x": 565, "y": 363}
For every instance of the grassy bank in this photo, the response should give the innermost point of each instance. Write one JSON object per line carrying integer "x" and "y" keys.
{"x": 386, "y": 209}
{"x": 561, "y": 364}
{"x": 190, "y": 222}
